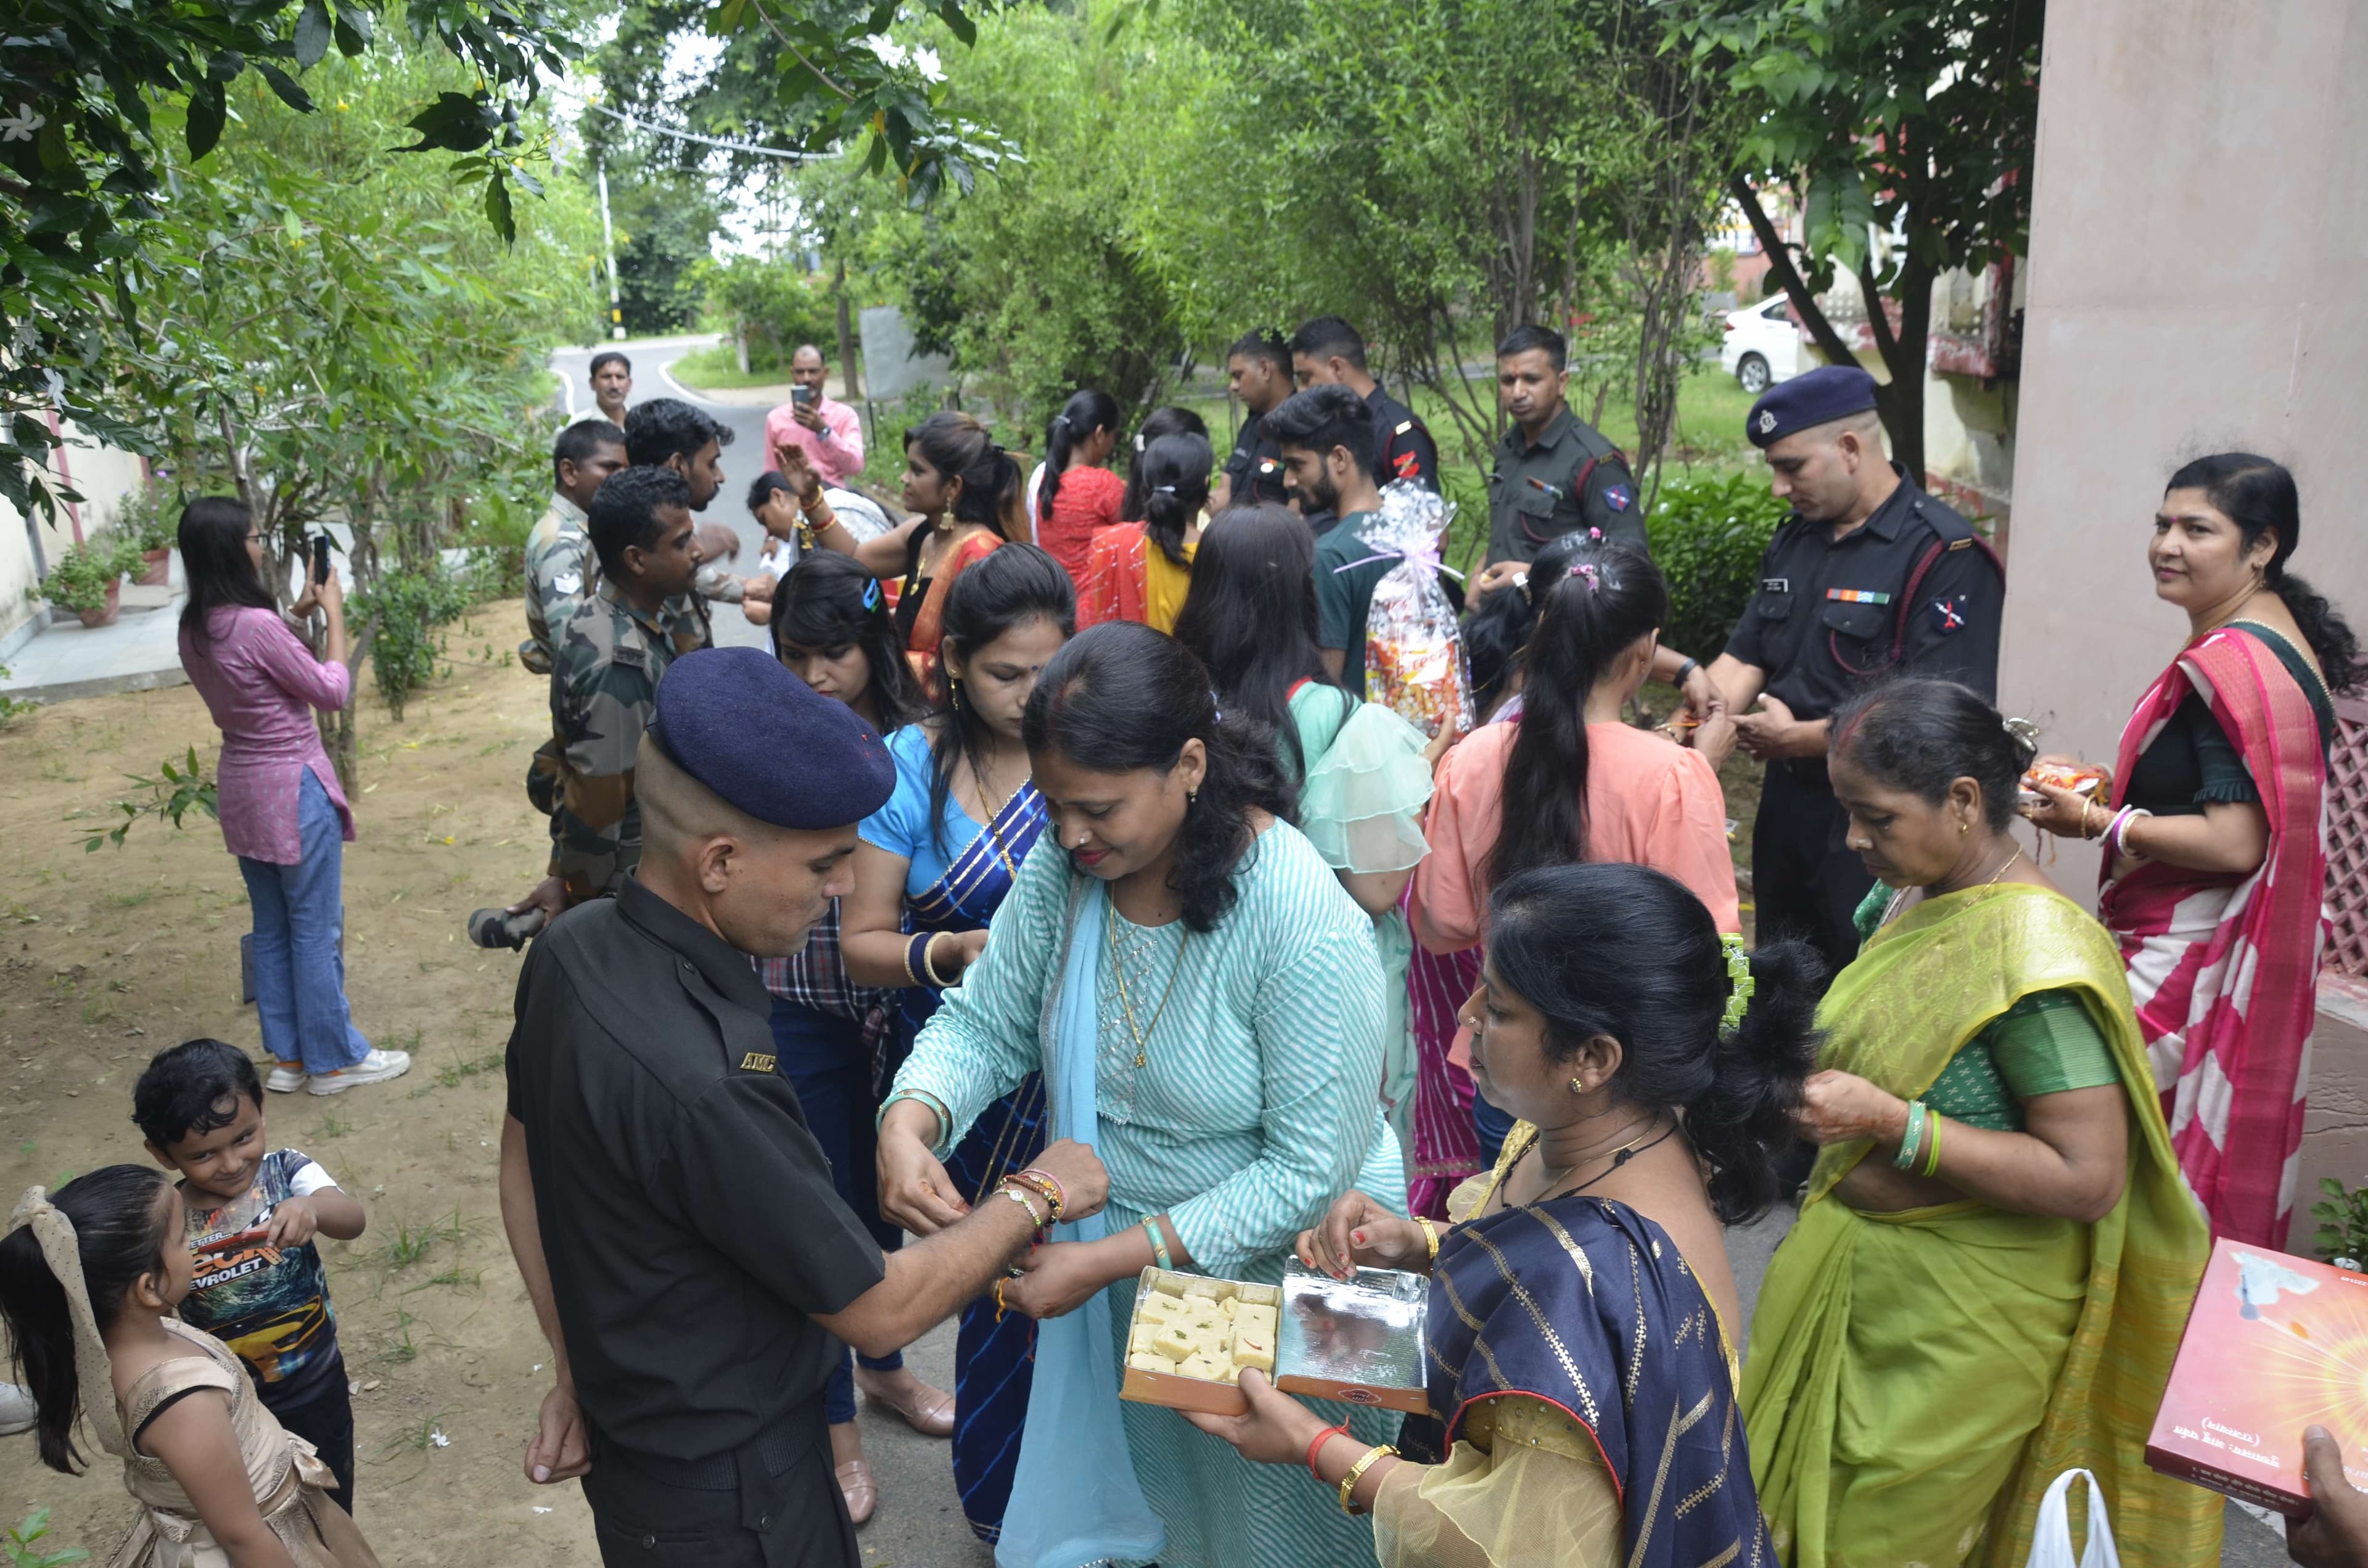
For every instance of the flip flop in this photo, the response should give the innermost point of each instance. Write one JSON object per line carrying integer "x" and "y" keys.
{"x": 856, "y": 1485}
{"x": 930, "y": 1412}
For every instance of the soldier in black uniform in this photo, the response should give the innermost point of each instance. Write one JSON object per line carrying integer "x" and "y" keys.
{"x": 1870, "y": 575}
{"x": 1257, "y": 369}
{"x": 671, "y": 1213}
{"x": 1328, "y": 350}
{"x": 1554, "y": 474}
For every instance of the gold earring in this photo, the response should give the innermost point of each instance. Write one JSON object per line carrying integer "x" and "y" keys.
{"x": 1578, "y": 1085}
{"x": 1191, "y": 798}
{"x": 1965, "y": 826}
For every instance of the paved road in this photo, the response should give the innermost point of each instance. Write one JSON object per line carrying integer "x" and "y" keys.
{"x": 743, "y": 460}
{"x": 919, "y": 1524}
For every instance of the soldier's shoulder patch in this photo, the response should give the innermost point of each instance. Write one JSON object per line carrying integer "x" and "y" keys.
{"x": 1618, "y": 498}
{"x": 1404, "y": 426}
{"x": 757, "y": 1062}
{"x": 631, "y": 654}
{"x": 568, "y": 583}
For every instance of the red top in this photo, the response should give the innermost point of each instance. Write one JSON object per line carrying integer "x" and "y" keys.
{"x": 1087, "y": 499}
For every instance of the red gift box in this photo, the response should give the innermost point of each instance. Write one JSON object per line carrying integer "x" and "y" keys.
{"x": 2275, "y": 1344}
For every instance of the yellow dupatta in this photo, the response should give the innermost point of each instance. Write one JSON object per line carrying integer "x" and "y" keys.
{"x": 1916, "y": 1378}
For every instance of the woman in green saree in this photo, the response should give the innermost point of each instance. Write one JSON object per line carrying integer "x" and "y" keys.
{"x": 1996, "y": 1255}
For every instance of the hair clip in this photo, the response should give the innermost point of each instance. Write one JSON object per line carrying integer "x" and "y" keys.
{"x": 872, "y": 594}
{"x": 1741, "y": 986}
{"x": 1216, "y": 714}
{"x": 2023, "y": 730}
{"x": 1060, "y": 419}
{"x": 1138, "y": 440}
{"x": 1162, "y": 490}
{"x": 1595, "y": 534}
{"x": 1587, "y": 570}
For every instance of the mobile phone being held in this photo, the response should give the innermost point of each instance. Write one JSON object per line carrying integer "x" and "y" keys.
{"x": 320, "y": 559}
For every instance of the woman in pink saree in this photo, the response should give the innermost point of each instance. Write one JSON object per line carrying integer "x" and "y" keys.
{"x": 2216, "y": 865}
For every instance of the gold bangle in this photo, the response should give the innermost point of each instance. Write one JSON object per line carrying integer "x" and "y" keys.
{"x": 1431, "y": 1235}
{"x": 1357, "y": 1473}
{"x": 930, "y": 960}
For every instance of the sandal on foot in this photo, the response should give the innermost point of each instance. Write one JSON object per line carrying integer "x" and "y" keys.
{"x": 856, "y": 1485}
{"x": 930, "y": 1412}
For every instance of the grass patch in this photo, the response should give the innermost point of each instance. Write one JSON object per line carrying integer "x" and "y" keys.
{"x": 709, "y": 370}
{"x": 411, "y": 1243}
{"x": 451, "y": 1073}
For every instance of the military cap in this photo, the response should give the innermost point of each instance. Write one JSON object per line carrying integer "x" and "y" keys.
{"x": 1814, "y": 397}
{"x": 766, "y": 741}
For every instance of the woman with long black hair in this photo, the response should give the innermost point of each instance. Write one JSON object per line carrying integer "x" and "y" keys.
{"x": 1570, "y": 779}
{"x": 283, "y": 811}
{"x": 931, "y": 869}
{"x": 1141, "y": 571}
{"x": 1361, "y": 771}
{"x": 1205, "y": 1001}
{"x": 1166, "y": 420}
{"x": 1078, "y": 493}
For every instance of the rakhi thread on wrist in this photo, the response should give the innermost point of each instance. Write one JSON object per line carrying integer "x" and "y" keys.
{"x": 1048, "y": 1184}
{"x": 1316, "y": 1446}
{"x": 1022, "y": 1196}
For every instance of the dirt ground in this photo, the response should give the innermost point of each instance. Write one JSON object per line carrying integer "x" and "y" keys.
{"x": 107, "y": 958}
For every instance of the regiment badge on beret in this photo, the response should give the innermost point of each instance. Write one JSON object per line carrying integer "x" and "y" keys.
{"x": 1766, "y": 420}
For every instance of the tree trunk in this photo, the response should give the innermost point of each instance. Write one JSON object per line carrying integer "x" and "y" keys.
{"x": 740, "y": 346}
{"x": 850, "y": 387}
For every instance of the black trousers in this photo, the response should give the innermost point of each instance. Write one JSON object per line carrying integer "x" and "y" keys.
{"x": 771, "y": 1503}
{"x": 1805, "y": 883}
{"x": 324, "y": 1418}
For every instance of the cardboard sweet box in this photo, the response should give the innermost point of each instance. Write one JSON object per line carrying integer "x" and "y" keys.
{"x": 1358, "y": 1340}
{"x": 2275, "y": 1344}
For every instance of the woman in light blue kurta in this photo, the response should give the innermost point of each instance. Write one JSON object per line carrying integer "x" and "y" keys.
{"x": 1206, "y": 1004}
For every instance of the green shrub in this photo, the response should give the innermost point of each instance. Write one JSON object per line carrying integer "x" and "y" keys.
{"x": 80, "y": 579}
{"x": 1708, "y": 535}
{"x": 410, "y": 605}
{"x": 496, "y": 540}
{"x": 770, "y": 303}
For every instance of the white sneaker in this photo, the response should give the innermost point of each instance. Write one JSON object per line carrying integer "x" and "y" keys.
{"x": 286, "y": 1078}
{"x": 376, "y": 1068}
{"x": 17, "y": 1411}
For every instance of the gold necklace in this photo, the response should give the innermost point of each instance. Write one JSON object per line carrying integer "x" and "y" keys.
{"x": 1125, "y": 997}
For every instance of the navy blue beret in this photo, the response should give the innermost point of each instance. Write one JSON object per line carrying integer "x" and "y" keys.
{"x": 1814, "y": 397}
{"x": 766, "y": 741}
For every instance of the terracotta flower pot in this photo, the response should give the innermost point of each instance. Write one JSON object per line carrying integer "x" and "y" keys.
{"x": 105, "y": 615}
{"x": 156, "y": 568}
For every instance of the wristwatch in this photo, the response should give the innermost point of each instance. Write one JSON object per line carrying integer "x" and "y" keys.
{"x": 1686, "y": 670}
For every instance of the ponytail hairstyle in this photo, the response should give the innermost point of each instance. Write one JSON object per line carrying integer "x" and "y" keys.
{"x": 828, "y": 601}
{"x": 1085, "y": 412}
{"x": 1620, "y": 950}
{"x": 121, "y": 1232}
{"x": 2258, "y": 495}
{"x": 213, "y": 541}
{"x": 1250, "y": 617}
{"x": 1168, "y": 420}
{"x": 959, "y": 446}
{"x": 1001, "y": 591}
{"x": 1497, "y": 633}
{"x": 1175, "y": 470}
{"x": 1918, "y": 737}
{"x": 1610, "y": 597}
{"x": 1122, "y": 698}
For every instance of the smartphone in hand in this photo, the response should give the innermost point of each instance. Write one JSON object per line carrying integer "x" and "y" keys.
{"x": 801, "y": 394}
{"x": 320, "y": 559}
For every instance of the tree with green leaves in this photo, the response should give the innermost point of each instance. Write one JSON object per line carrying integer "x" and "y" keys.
{"x": 1909, "y": 124}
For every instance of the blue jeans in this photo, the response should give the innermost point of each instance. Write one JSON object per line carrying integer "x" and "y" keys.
{"x": 300, "y": 978}
{"x": 823, "y": 1059}
{"x": 1493, "y": 1126}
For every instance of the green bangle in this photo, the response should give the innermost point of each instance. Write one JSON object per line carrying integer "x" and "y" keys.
{"x": 1913, "y": 1142}
{"x": 1933, "y": 1165}
{"x": 935, "y": 1106}
{"x": 1158, "y": 1242}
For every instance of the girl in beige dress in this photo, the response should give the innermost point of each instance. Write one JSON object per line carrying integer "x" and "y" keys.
{"x": 89, "y": 1277}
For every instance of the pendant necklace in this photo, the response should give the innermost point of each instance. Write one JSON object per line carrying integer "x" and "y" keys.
{"x": 1125, "y": 998}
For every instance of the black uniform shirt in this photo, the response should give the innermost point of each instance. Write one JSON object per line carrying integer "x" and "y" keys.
{"x": 1256, "y": 467}
{"x": 1402, "y": 445}
{"x": 687, "y": 1212}
{"x": 1829, "y": 616}
{"x": 1569, "y": 478}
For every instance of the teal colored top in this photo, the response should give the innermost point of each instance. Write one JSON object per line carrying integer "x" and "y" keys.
{"x": 2045, "y": 1044}
{"x": 1257, "y": 1102}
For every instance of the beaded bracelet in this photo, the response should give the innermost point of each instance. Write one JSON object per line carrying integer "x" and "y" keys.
{"x": 1357, "y": 1472}
{"x": 1932, "y": 1162}
{"x": 1906, "y": 1158}
{"x": 1021, "y": 1196}
{"x": 1049, "y": 1184}
{"x": 1159, "y": 1245}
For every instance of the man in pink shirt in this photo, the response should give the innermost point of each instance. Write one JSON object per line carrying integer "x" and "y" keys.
{"x": 829, "y": 431}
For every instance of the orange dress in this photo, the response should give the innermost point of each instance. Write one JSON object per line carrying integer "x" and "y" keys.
{"x": 929, "y": 621}
{"x": 1649, "y": 801}
{"x": 1129, "y": 578}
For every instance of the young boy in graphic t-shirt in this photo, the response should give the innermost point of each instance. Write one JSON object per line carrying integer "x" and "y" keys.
{"x": 265, "y": 1294}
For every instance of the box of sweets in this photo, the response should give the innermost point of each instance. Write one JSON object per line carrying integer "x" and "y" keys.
{"x": 2275, "y": 1344}
{"x": 1358, "y": 1340}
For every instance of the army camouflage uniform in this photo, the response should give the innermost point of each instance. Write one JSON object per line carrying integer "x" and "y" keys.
{"x": 610, "y": 657}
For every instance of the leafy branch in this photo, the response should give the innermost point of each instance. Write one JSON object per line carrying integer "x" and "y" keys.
{"x": 173, "y": 793}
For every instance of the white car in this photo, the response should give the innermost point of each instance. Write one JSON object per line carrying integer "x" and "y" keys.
{"x": 1762, "y": 345}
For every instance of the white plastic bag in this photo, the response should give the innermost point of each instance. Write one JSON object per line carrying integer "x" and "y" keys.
{"x": 2051, "y": 1540}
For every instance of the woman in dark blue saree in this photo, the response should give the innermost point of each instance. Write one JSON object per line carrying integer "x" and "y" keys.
{"x": 1580, "y": 1357}
{"x": 931, "y": 868}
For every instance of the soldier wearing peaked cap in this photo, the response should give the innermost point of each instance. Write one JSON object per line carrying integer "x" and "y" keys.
{"x": 670, "y": 1211}
{"x": 1869, "y": 576}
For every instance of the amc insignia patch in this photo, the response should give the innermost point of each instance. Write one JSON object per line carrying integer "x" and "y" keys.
{"x": 757, "y": 1062}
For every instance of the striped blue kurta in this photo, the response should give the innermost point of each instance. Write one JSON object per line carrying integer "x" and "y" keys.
{"x": 1257, "y": 1103}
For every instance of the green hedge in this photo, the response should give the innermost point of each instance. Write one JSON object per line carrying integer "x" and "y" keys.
{"x": 1708, "y": 535}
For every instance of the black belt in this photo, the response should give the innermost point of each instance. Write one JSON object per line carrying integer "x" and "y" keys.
{"x": 777, "y": 1448}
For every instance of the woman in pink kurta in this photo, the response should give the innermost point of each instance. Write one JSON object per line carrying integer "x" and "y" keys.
{"x": 282, "y": 812}
{"x": 1570, "y": 780}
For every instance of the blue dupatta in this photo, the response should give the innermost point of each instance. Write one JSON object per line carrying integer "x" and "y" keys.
{"x": 1585, "y": 1304}
{"x": 1075, "y": 1500}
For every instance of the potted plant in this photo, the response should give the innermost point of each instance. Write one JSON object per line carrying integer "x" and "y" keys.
{"x": 88, "y": 579}
{"x": 143, "y": 522}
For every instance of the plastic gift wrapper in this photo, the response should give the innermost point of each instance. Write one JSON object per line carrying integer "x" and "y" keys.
{"x": 1414, "y": 644}
{"x": 1358, "y": 1340}
{"x": 2275, "y": 1344}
